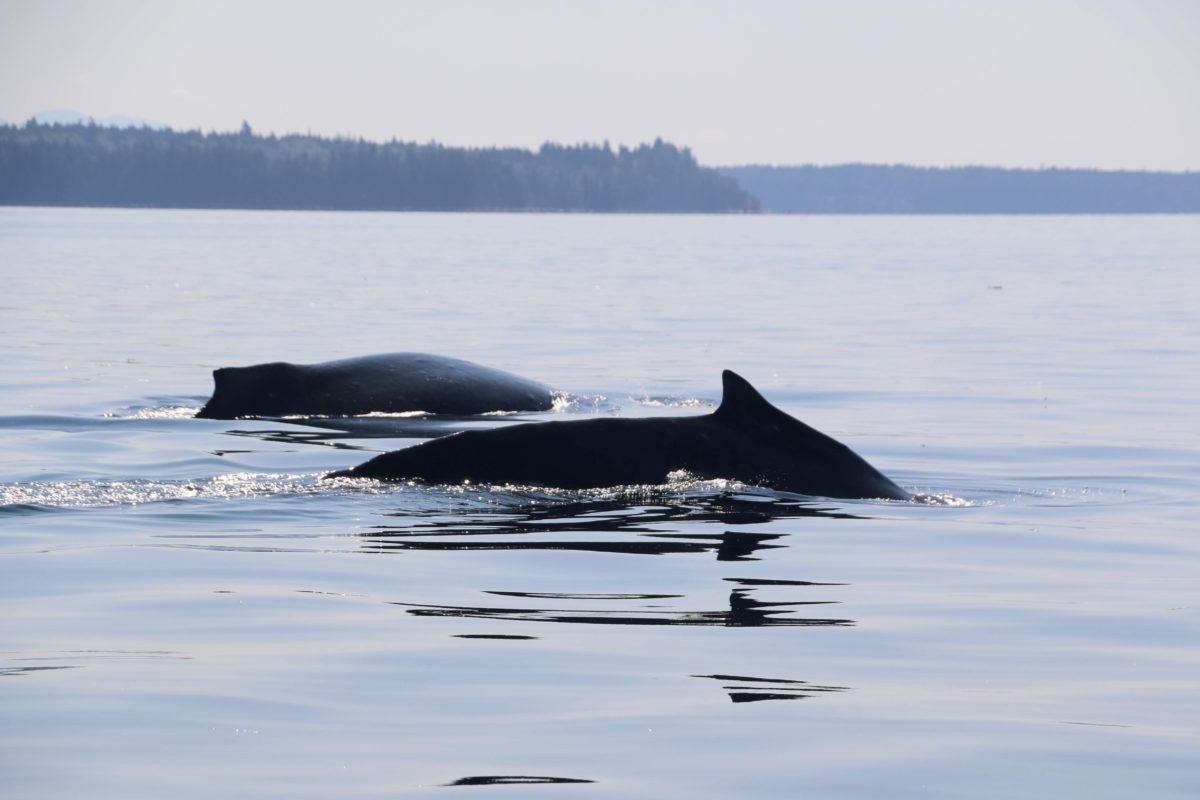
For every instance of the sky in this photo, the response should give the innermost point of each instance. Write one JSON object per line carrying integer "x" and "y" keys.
{"x": 1068, "y": 83}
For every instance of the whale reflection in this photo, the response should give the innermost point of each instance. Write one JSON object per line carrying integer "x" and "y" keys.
{"x": 508, "y": 780}
{"x": 636, "y": 511}
{"x": 748, "y": 689}
{"x": 335, "y": 431}
{"x": 604, "y": 525}
{"x": 728, "y": 546}
{"x": 744, "y": 611}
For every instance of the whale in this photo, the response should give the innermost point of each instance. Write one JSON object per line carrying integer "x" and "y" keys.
{"x": 385, "y": 383}
{"x": 745, "y": 439}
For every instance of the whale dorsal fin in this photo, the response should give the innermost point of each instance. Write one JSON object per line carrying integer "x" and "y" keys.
{"x": 740, "y": 400}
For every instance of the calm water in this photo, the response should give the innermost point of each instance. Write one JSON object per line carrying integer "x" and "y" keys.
{"x": 187, "y": 611}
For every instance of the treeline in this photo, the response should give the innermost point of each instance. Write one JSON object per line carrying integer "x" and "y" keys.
{"x": 90, "y": 165}
{"x": 873, "y": 189}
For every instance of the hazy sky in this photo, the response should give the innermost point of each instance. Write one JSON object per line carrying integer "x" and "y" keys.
{"x": 1091, "y": 83}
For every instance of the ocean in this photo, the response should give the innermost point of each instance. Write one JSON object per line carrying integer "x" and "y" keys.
{"x": 187, "y": 610}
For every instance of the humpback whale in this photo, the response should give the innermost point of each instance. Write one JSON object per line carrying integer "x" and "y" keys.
{"x": 391, "y": 382}
{"x": 745, "y": 439}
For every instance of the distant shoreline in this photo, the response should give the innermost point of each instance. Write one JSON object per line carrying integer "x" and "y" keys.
{"x": 898, "y": 189}
{"x": 93, "y": 166}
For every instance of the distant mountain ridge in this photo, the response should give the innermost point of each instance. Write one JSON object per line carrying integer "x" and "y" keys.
{"x": 882, "y": 189}
{"x": 93, "y": 165}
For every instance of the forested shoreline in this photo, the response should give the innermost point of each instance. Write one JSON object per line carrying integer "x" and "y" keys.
{"x": 93, "y": 165}
{"x": 85, "y": 164}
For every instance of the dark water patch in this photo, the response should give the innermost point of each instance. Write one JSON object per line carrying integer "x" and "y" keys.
{"x": 749, "y": 689}
{"x": 625, "y": 548}
{"x": 777, "y": 582}
{"x": 750, "y": 697}
{"x": 743, "y": 612}
{"x": 502, "y": 636}
{"x": 591, "y": 596}
{"x": 509, "y": 780}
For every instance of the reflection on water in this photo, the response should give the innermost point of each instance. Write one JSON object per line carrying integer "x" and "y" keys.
{"x": 333, "y": 431}
{"x": 777, "y": 582}
{"x": 605, "y": 525}
{"x": 501, "y": 636}
{"x": 293, "y": 437}
{"x": 744, "y": 612}
{"x": 506, "y": 780}
{"x": 6, "y": 672}
{"x": 729, "y": 546}
{"x": 746, "y": 689}
{"x": 612, "y": 526}
{"x": 638, "y": 511}
{"x": 586, "y": 596}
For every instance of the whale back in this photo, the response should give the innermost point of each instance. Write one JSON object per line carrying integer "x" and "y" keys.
{"x": 789, "y": 452}
{"x": 741, "y": 404}
{"x": 247, "y": 391}
{"x": 388, "y": 383}
{"x": 745, "y": 439}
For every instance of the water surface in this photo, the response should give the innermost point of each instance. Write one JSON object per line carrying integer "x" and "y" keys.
{"x": 189, "y": 611}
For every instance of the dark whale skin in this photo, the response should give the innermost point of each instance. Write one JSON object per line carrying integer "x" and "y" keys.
{"x": 390, "y": 382}
{"x": 745, "y": 439}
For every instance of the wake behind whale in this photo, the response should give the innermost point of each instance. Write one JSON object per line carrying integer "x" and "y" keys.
{"x": 745, "y": 438}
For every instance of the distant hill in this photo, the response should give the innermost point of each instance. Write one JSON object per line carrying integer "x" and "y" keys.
{"x": 93, "y": 165}
{"x": 876, "y": 189}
